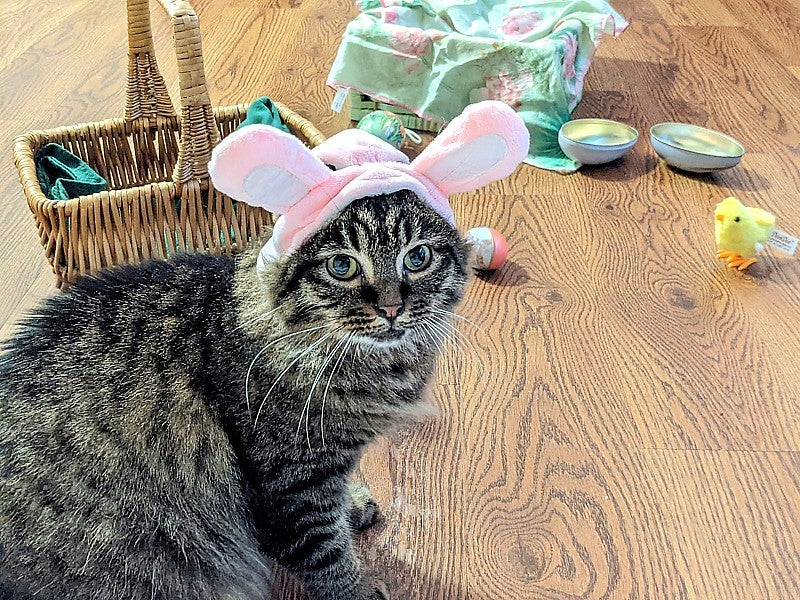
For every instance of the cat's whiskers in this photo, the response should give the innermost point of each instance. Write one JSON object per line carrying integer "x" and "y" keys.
{"x": 307, "y": 406}
{"x": 450, "y": 313}
{"x": 252, "y": 320}
{"x": 435, "y": 339}
{"x": 457, "y": 337}
{"x": 432, "y": 337}
{"x": 336, "y": 366}
{"x": 309, "y": 349}
{"x": 449, "y": 339}
{"x": 442, "y": 334}
{"x": 264, "y": 349}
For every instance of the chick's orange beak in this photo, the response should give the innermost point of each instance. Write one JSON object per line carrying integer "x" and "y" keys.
{"x": 720, "y": 217}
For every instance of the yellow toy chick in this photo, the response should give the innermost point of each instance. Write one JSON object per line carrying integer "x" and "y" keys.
{"x": 741, "y": 232}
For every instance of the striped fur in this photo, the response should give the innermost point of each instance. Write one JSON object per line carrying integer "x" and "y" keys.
{"x": 168, "y": 429}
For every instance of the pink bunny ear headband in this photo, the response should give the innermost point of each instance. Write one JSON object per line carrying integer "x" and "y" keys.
{"x": 265, "y": 167}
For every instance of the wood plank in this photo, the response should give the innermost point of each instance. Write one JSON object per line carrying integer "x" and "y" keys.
{"x": 49, "y": 79}
{"x": 416, "y": 476}
{"x": 689, "y": 12}
{"x": 549, "y": 518}
{"x": 618, "y": 274}
{"x": 71, "y": 78}
{"x": 772, "y": 25}
{"x": 251, "y": 63}
{"x": 727, "y": 517}
{"x": 651, "y": 239}
{"x": 23, "y": 24}
{"x": 27, "y": 295}
{"x": 630, "y": 427}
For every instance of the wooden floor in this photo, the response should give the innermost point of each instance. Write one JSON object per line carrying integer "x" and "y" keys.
{"x": 633, "y": 430}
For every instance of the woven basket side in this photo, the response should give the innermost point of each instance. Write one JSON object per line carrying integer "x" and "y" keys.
{"x": 145, "y": 218}
{"x": 91, "y": 233}
{"x": 125, "y": 153}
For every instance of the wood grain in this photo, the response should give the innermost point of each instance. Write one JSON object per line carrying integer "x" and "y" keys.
{"x": 731, "y": 513}
{"x": 772, "y": 24}
{"x": 689, "y": 12}
{"x": 628, "y": 422}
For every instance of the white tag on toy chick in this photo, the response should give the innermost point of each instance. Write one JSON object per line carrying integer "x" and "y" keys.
{"x": 782, "y": 241}
{"x": 338, "y": 100}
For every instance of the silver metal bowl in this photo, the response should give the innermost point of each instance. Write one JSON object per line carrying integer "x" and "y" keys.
{"x": 695, "y": 149}
{"x": 596, "y": 141}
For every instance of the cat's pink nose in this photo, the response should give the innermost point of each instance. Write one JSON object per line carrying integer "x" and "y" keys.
{"x": 391, "y": 311}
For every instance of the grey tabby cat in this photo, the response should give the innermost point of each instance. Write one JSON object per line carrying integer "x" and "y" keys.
{"x": 168, "y": 428}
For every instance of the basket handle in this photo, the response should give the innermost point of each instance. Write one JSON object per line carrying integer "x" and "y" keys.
{"x": 147, "y": 95}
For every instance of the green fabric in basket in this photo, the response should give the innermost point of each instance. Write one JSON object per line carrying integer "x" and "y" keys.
{"x": 62, "y": 175}
{"x": 263, "y": 111}
{"x": 435, "y": 57}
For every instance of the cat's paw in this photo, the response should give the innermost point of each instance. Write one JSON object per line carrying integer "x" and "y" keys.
{"x": 364, "y": 511}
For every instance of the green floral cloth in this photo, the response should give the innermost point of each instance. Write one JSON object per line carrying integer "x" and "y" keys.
{"x": 435, "y": 57}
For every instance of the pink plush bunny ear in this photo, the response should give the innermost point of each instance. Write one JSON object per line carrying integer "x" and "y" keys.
{"x": 483, "y": 144}
{"x": 263, "y": 166}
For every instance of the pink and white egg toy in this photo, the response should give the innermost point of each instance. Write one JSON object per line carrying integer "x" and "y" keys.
{"x": 489, "y": 248}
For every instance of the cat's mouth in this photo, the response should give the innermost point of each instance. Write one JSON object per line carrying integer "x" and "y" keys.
{"x": 392, "y": 334}
{"x": 385, "y": 339}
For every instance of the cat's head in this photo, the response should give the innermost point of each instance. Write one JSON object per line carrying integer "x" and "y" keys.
{"x": 370, "y": 240}
{"x": 385, "y": 273}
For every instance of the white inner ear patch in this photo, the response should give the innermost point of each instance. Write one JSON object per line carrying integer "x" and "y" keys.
{"x": 274, "y": 186}
{"x": 470, "y": 161}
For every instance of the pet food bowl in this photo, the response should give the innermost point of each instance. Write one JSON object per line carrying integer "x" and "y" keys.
{"x": 695, "y": 149}
{"x": 596, "y": 141}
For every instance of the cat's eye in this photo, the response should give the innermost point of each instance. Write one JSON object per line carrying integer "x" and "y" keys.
{"x": 342, "y": 267}
{"x": 418, "y": 258}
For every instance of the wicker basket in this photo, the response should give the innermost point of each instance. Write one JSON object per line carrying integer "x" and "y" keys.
{"x": 159, "y": 199}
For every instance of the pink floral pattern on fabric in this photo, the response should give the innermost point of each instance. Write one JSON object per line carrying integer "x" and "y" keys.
{"x": 570, "y": 54}
{"x": 390, "y": 15}
{"x": 412, "y": 43}
{"x": 437, "y": 57}
{"x": 519, "y": 23}
{"x": 508, "y": 89}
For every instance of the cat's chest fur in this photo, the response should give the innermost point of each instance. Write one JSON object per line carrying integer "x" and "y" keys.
{"x": 326, "y": 397}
